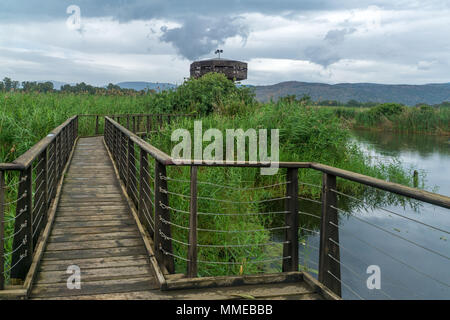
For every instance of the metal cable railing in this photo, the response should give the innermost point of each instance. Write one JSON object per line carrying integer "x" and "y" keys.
{"x": 25, "y": 199}
{"x": 185, "y": 217}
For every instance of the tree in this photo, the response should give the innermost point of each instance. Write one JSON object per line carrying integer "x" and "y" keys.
{"x": 8, "y": 83}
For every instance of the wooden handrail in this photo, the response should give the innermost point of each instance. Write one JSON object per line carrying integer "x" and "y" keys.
{"x": 154, "y": 152}
{"x": 422, "y": 195}
{"x": 138, "y": 115}
{"x": 24, "y": 161}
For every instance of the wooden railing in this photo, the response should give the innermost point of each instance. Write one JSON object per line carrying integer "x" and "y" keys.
{"x": 27, "y": 188}
{"x": 138, "y": 123}
{"x": 143, "y": 169}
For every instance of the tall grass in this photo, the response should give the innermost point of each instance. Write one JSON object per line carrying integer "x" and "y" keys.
{"x": 393, "y": 117}
{"x": 306, "y": 134}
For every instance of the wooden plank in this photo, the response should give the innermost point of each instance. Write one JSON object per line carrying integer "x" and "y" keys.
{"x": 93, "y": 244}
{"x": 84, "y": 205}
{"x": 45, "y": 277}
{"x": 94, "y": 212}
{"x": 93, "y": 253}
{"x": 319, "y": 288}
{"x": 230, "y": 281}
{"x": 91, "y": 207}
{"x": 87, "y": 199}
{"x": 95, "y": 263}
{"x": 90, "y": 230}
{"x": 258, "y": 291}
{"x": 97, "y": 217}
{"x": 93, "y": 224}
{"x": 298, "y": 291}
{"x": 99, "y": 236}
{"x": 95, "y": 287}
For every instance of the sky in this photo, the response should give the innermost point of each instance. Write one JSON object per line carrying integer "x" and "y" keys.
{"x": 328, "y": 41}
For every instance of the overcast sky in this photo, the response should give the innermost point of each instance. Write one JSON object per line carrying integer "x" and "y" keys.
{"x": 329, "y": 41}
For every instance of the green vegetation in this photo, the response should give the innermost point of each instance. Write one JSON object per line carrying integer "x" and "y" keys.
{"x": 396, "y": 117}
{"x": 306, "y": 134}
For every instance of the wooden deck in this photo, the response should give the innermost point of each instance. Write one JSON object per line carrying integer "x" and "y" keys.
{"x": 95, "y": 230}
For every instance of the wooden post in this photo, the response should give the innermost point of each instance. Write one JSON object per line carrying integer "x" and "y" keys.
{"x": 162, "y": 212}
{"x": 131, "y": 173}
{"x": 328, "y": 231}
{"x": 290, "y": 249}
{"x": 76, "y": 126}
{"x": 45, "y": 156}
{"x": 115, "y": 143}
{"x": 66, "y": 145}
{"x": 2, "y": 230}
{"x": 128, "y": 122}
{"x": 144, "y": 192}
{"x": 121, "y": 154}
{"x": 23, "y": 228}
{"x": 58, "y": 157}
{"x": 148, "y": 124}
{"x": 40, "y": 196}
{"x": 118, "y": 153}
{"x": 96, "y": 125}
{"x": 54, "y": 168}
{"x": 192, "y": 250}
{"x": 134, "y": 124}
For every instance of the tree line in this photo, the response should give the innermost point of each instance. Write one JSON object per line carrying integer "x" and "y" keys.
{"x": 307, "y": 100}
{"x": 8, "y": 85}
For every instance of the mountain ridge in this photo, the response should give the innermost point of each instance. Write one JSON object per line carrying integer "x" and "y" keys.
{"x": 363, "y": 92}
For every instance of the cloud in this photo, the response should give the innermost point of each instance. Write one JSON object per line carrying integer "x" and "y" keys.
{"x": 128, "y": 10}
{"x": 323, "y": 41}
{"x": 200, "y": 35}
{"x": 321, "y": 55}
{"x": 337, "y": 36}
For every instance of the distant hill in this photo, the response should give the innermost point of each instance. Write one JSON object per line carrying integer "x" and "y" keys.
{"x": 140, "y": 85}
{"x": 362, "y": 92}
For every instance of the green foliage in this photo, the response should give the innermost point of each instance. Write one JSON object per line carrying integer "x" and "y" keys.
{"x": 306, "y": 134}
{"x": 211, "y": 92}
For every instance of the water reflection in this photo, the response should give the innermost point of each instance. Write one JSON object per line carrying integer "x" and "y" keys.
{"x": 408, "y": 271}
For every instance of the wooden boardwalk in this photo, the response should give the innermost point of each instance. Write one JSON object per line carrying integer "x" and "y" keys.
{"x": 95, "y": 230}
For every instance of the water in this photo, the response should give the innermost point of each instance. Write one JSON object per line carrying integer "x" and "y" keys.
{"x": 407, "y": 270}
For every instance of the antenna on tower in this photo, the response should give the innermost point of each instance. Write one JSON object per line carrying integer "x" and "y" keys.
{"x": 219, "y": 51}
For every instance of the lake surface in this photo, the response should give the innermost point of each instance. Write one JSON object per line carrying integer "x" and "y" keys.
{"x": 408, "y": 271}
